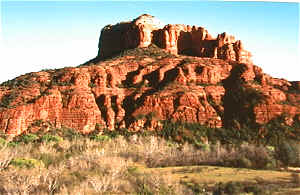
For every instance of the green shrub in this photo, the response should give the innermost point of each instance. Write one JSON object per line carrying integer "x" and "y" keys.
{"x": 67, "y": 133}
{"x": 8, "y": 99}
{"x": 150, "y": 51}
{"x": 21, "y": 81}
{"x": 92, "y": 85}
{"x": 37, "y": 123}
{"x": 26, "y": 163}
{"x": 100, "y": 138}
{"x": 237, "y": 188}
{"x": 51, "y": 138}
{"x": 28, "y": 138}
{"x": 228, "y": 188}
{"x": 170, "y": 129}
{"x": 243, "y": 162}
{"x": 195, "y": 187}
{"x": 13, "y": 144}
{"x": 2, "y": 141}
{"x": 288, "y": 153}
{"x": 255, "y": 189}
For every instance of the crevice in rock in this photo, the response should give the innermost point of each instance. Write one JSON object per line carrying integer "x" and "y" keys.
{"x": 100, "y": 103}
{"x": 109, "y": 80}
{"x": 199, "y": 69}
{"x": 129, "y": 105}
{"x": 153, "y": 78}
{"x": 128, "y": 82}
{"x": 215, "y": 106}
{"x": 6, "y": 126}
{"x": 114, "y": 104}
{"x": 176, "y": 103}
{"x": 66, "y": 97}
{"x": 169, "y": 77}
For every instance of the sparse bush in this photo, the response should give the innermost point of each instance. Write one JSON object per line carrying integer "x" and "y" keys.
{"x": 26, "y": 163}
{"x": 3, "y": 142}
{"x": 37, "y": 123}
{"x": 149, "y": 183}
{"x": 100, "y": 138}
{"x": 236, "y": 188}
{"x": 28, "y": 138}
{"x": 22, "y": 81}
{"x": 51, "y": 138}
{"x": 8, "y": 99}
{"x": 150, "y": 51}
{"x": 195, "y": 187}
{"x": 288, "y": 153}
{"x": 92, "y": 85}
{"x": 67, "y": 133}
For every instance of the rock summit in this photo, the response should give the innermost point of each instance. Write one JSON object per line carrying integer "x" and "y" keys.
{"x": 174, "y": 38}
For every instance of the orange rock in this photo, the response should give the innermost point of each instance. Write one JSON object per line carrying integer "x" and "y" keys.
{"x": 174, "y": 38}
{"x": 267, "y": 112}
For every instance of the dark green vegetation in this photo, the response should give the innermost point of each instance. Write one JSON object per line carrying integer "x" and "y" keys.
{"x": 152, "y": 51}
{"x": 22, "y": 81}
{"x": 8, "y": 99}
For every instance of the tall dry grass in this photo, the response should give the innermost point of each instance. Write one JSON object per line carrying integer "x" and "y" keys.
{"x": 87, "y": 166}
{"x": 80, "y": 166}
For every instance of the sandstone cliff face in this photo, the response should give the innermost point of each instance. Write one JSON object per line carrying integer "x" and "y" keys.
{"x": 138, "y": 91}
{"x": 176, "y": 39}
{"x": 127, "y": 35}
{"x": 146, "y": 85}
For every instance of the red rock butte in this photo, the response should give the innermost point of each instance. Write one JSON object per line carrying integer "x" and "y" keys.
{"x": 174, "y": 38}
{"x": 173, "y": 72}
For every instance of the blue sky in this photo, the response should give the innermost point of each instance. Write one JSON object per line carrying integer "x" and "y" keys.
{"x": 46, "y": 34}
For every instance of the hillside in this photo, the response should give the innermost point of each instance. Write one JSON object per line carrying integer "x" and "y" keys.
{"x": 162, "y": 109}
{"x": 138, "y": 85}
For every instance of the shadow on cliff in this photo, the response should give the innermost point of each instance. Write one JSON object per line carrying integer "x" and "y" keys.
{"x": 100, "y": 103}
{"x": 130, "y": 104}
{"x": 239, "y": 100}
{"x": 194, "y": 45}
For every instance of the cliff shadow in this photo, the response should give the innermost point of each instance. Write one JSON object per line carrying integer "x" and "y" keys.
{"x": 185, "y": 44}
{"x": 100, "y": 103}
{"x": 239, "y": 100}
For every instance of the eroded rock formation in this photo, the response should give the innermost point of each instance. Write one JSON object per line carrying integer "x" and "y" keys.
{"x": 176, "y": 39}
{"x": 148, "y": 84}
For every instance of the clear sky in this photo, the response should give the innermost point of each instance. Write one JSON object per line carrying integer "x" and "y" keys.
{"x": 46, "y": 34}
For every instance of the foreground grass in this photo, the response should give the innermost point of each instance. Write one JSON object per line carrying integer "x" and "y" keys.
{"x": 206, "y": 178}
{"x": 99, "y": 164}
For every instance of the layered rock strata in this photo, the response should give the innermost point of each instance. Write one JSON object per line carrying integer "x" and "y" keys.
{"x": 137, "y": 92}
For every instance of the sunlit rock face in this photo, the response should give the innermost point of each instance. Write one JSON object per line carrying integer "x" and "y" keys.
{"x": 174, "y": 38}
{"x": 127, "y": 35}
